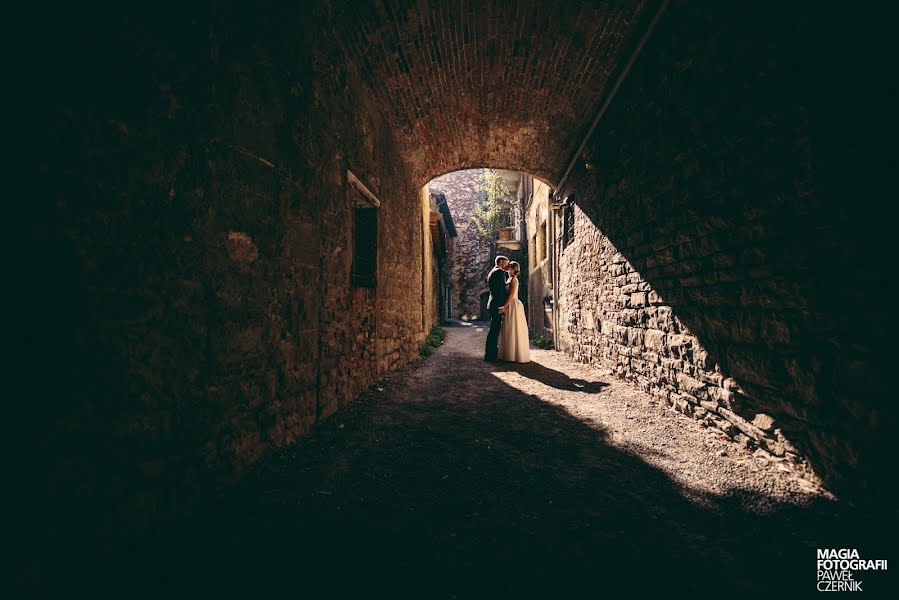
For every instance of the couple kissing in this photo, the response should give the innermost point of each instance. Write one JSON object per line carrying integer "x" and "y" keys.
{"x": 508, "y": 336}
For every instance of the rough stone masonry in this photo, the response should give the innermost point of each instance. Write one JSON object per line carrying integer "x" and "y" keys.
{"x": 716, "y": 259}
{"x": 471, "y": 253}
{"x": 184, "y": 299}
{"x": 611, "y": 315}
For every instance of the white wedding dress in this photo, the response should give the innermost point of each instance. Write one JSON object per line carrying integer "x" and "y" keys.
{"x": 514, "y": 344}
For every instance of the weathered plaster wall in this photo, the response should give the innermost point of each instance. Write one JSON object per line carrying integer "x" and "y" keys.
{"x": 540, "y": 278}
{"x": 429, "y": 263}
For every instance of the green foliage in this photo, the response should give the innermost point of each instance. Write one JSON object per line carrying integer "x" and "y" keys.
{"x": 496, "y": 200}
{"x": 486, "y": 217}
{"x": 543, "y": 343}
{"x": 432, "y": 341}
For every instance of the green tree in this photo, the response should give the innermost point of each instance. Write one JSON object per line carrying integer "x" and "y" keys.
{"x": 497, "y": 200}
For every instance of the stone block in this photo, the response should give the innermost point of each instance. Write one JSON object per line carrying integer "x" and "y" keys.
{"x": 654, "y": 339}
{"x": 722, "y": 395}
{"x": 635, "y": 336}
{"x": 709, "y": 405}
{"x": 680, "y": 346}
{"x": 731, "y": 385}
{"x": 773, "y": 446}
{"x": 712, "y": 378}
{"x": 682, "y": 404}
{"x": 689, "y": 385}
{"x": 763, "y": 422}
{"x": 630, "y": 317}
{"x": 742, "y": 424}
{"x": 720, "y": 423}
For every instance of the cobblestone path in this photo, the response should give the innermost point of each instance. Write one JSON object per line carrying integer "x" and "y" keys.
{"x": 458, "y": 478}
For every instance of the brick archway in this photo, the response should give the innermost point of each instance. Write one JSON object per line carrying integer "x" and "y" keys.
{"x": 512, "y": 86}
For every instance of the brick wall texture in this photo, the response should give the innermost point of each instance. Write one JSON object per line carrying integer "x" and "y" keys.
{"x": 723, "y": 236}
{"x": 507, "y": 85}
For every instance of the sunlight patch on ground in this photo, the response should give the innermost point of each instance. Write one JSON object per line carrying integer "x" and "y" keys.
{"x": 676, "y": 445}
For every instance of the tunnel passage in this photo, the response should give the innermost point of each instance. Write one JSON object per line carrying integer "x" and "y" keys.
{"x": 193, "y": 216}
{"x": 716, "y": 189}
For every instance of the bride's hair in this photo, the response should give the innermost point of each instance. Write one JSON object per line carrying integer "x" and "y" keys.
{"x": 514, "y": 265}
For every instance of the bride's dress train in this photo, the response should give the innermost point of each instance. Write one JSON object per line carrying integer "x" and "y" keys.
{"x": 514, "y": 344}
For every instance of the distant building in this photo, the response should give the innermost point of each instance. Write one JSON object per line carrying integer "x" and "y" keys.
{"x": 471, "y": 258}
{"x": 443, "y": 234}
{"x": 539, "y": 225}
{"x": 512, "y": 243}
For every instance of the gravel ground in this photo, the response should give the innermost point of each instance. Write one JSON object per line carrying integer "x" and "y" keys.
{"x": 456, "y": 478}
{"x": 703, "y": 462}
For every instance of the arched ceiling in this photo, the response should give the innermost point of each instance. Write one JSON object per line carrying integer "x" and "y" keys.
{"x": 508, "y": 84}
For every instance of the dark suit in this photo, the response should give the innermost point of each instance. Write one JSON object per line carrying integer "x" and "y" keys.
{"x": 496, "y": 281}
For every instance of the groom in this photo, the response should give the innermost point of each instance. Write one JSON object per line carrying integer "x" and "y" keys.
{"x": 496, "y": 281}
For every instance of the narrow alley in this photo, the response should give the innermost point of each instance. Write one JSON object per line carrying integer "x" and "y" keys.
{"x": 454, "y": 477}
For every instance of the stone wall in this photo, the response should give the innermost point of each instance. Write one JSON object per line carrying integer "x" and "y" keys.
{"x": 723, "y": 240}
{"x": 182, "y": 300}
{"x": 611, "y": 315}
{"x": 471, "y": 253}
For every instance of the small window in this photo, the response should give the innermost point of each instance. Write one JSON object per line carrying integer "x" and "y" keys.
{"x": 365, "y": 234}
{"x": 540, "y": 242}
{"x": 365, "y": 247}
{"x": 568, "y": 223}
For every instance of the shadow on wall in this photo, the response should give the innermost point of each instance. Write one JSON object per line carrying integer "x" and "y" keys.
{"x": 744, "y": 206}
{"x": 615, "y": 316}
{"x": 739, "y": 345}
{"x": 501, "y": 485}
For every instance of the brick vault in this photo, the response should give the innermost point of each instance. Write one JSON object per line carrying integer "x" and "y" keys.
{"x": 510, "y": 84}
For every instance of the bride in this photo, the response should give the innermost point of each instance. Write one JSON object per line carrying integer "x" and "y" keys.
{"x": 513, "y": 337}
